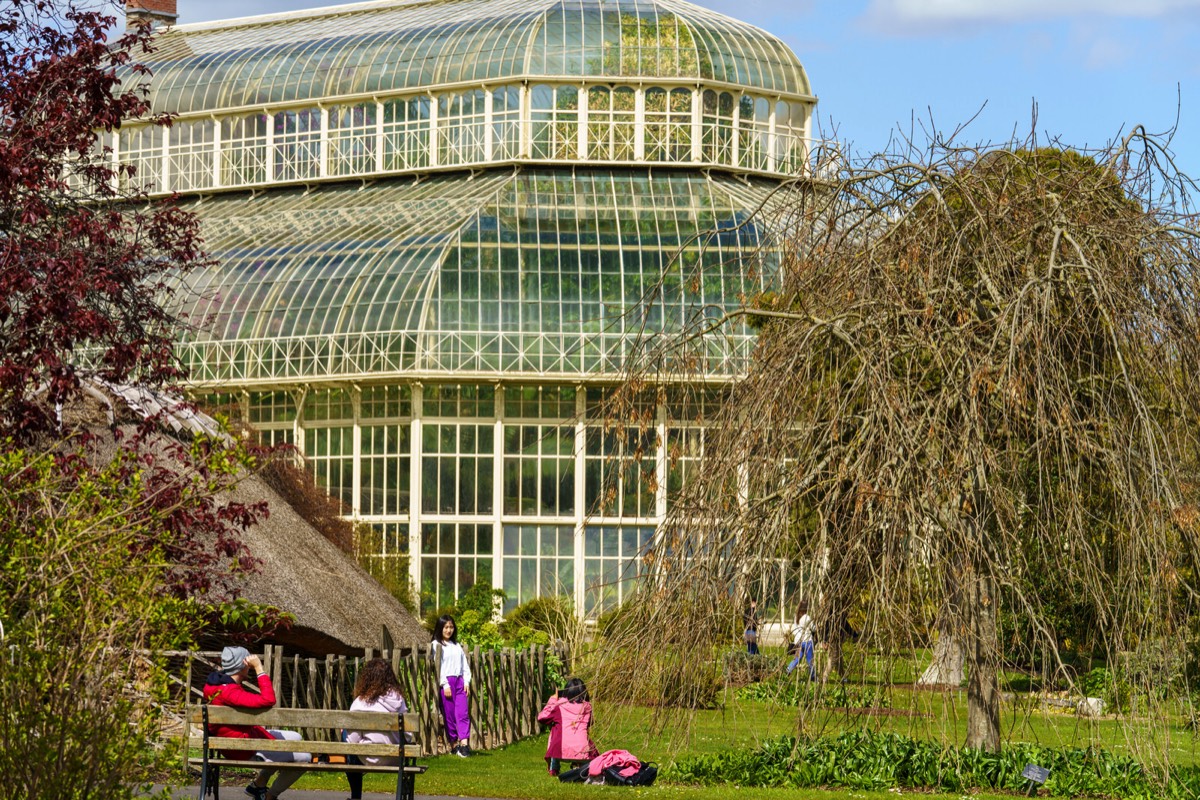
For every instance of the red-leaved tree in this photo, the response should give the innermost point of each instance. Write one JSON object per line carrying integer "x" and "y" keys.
{"x": 83, "y": 256}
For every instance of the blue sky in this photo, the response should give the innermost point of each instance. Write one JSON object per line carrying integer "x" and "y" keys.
{"x": 880, "y": 68}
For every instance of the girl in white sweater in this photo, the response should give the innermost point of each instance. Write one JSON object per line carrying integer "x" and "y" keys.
{"x": 376, "y": 689}
{"x": 454, "y": 676}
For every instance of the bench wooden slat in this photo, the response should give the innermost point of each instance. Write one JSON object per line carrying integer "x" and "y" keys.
{"x": 305, "y": 718}
{"x": 322, "y": 720}
{"x": 238, "y": 744}
{"x": 415, "y": 769}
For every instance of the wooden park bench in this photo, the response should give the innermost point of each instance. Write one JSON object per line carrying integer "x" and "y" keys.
{"x": 333, "y": 722}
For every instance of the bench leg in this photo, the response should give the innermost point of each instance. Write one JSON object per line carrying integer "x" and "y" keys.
{"x": 210, "y": 781}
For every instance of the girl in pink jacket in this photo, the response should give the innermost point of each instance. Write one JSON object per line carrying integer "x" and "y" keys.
{"x": 569, "y": 713}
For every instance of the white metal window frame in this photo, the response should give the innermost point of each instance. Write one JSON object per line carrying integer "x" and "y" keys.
{"x": 456, "y": 126}
{"x": 314, "y": 437}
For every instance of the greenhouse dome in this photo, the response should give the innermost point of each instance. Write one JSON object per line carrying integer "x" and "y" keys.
{"x": 383, "y": 47}
{"x": 440, "y": 229}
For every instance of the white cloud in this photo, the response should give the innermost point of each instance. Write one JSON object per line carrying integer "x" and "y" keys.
{"x": 958, "y": 12}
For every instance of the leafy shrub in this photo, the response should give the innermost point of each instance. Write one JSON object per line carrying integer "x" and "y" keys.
{"x": 1108, "y": 686}
{"x": 616, "y": 620}
{"x": 787, "y": 690}
{"x": 702, "y": 688}
{"x": 867, "y": 760}
{"x": 742, "y": 668}
{"x": 82, "y": 614}
{"x": 552, "y": 615}
{"x": 474, "y": 616}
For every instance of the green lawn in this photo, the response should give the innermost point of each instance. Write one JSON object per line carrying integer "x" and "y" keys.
{"x": 519, "y": 771}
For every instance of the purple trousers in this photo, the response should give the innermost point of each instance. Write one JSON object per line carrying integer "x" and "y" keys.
{"x": 454, "y": 709}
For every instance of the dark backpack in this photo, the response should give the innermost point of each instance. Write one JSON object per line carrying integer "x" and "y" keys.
{"x": 643, "y": 777}
{"x": 575, "y": 775}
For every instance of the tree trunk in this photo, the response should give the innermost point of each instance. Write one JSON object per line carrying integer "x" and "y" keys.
{"x": 948, "y": 658}
{"x": 983, "y": 685}
{"x": 949, "y": 655}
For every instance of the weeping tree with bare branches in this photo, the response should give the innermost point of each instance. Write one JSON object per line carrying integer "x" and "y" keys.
{"x": 976, "y": 387}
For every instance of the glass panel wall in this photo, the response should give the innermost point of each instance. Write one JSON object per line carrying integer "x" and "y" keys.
{"x": 191, "y": 155}
{"x": 668, "y": 124}
{"x": 717, "y": 126}
{"x": 456, "y": 468}
{"x": 454, "y": 557}
{"x": 352, "y": 139}
{"x": 506, "y": 123}
{"x": 462, "y": 128}
{"x": 539, "y": 561}
{"x": 244, "y": 149}
{"x": 406, "y": 133}
{"x": 754, "y": 132}
{"x": 612, "y": 562}
{"x": 142, "y": 148}
{"x": 612, "y": 123}
{"x": 539, "y": 470}
{"x": 297, "y": 144}
{"x": 474, "y": 126}
{"x": 554, "y": 111}
{"x": 538, "y": 541}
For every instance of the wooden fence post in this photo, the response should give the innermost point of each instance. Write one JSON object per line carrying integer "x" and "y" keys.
{"x": 295, "y": 679}
{"x": 473, "y": 703}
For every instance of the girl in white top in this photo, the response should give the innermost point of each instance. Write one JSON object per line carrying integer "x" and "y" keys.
{"x": 454, "y": 675}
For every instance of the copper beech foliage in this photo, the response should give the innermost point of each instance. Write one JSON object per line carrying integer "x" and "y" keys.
{"x": 83, "y": 254}
{"x": 977, "y": 387}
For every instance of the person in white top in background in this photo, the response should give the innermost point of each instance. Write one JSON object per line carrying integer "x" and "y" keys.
{"x": 454, "y": 675}
{"x": 802, "y": 638}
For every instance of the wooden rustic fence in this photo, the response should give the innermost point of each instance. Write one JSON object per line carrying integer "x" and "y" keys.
{"x": 508, "y": 688}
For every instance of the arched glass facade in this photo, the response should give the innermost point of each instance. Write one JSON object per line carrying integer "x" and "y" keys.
{"x": 439, "y": 229}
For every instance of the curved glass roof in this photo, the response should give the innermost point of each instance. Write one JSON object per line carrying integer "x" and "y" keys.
{"x": 393, "y": 45}
{"x": 552, "y": 273}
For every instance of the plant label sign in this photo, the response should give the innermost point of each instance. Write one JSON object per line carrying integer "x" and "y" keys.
{"x": 1035, "y": 773}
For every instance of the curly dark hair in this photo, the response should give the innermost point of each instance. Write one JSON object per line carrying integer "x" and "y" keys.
{"x": 375, "y": 680}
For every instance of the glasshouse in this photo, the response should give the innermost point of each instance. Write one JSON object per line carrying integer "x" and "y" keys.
{"x": 441, "y": 227}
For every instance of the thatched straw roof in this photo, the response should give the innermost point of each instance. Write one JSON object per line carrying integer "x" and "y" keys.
{"x": 338, "y": 608}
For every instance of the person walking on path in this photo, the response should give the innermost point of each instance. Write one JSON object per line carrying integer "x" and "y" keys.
{"x": 454, "y": 676}
{"x": 750, "y": 627}
{"x": 802, "y": 638}
{"x": 223, "y": 687}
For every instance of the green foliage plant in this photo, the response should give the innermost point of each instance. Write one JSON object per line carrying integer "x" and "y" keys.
{"x": 795, "y": 690}
{"x": 82, "y": 612}
{"x": 553, "y": 615}
{"x": 475, "y": 614}
{"x": 875, "y": 761}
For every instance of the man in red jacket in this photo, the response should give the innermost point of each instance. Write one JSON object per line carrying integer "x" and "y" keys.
{"x": 224, "y": 688}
